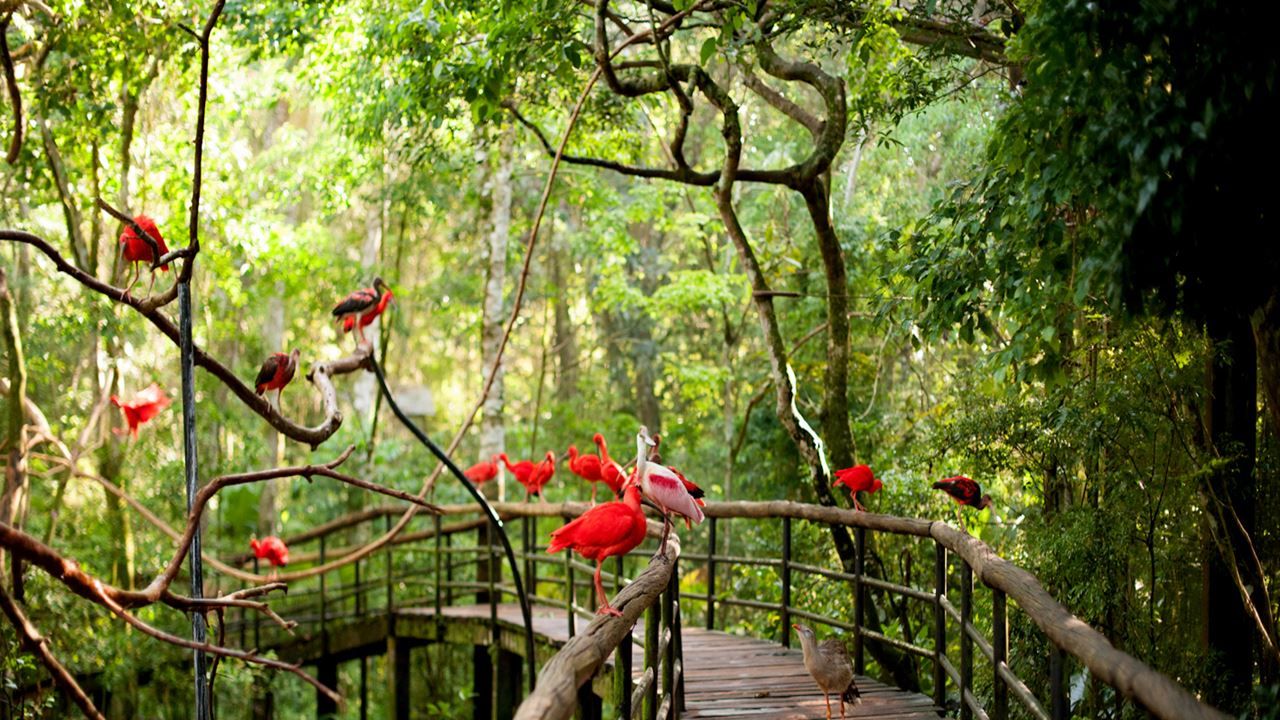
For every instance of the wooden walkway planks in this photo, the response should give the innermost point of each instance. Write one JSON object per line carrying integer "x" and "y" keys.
{"x": 726, "y": 676}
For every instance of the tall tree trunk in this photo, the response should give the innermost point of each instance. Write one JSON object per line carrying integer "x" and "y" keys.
{"x": 13, "y": 494}
{"x": 492, "y": 425}
{"x": 1229, "y": 633}
{"x": 268, "y": 496}
{"x": 566, "y": 340}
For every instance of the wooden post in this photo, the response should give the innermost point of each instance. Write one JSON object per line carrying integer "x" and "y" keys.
{"x": 668, "y": 625}
{"x": 327, "y": 674}
{"x": 966, "y": 642}
{"x": 257, "y": 617}
{"x": 622, "y": 684}
{"x": 589, "y": 705}
{"x": 397, "y": 669}
{"x": 324, "y": 629}
{"x": 569, "y": 590}
{"x": 678, "y": 640}
{"x": 784, "y": 612}
{"x": 439, "y": 576}
{"x": 651, "y": 625}
{"x": 711, "y": 573}
{"x": 391, "y": 570}
{"x": 482, "y": 683}
{"x": 448, "y": 569}
{"x": 508, "y": 679}
{"x": 364, "y": 687}
{"x": 999, "y": 654}
{"x": 939, "y": 624}
{"x": 1058, "y": 708}
{"x": 859, "y": 599}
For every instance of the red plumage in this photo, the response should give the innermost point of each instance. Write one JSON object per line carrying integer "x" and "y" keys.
{"x": 142, "y": 407}
{"x": 272, "y": 549}
{"x": 610, "y": 470}
{"x": 136, "y": 248}
{"x": 367, "y": 319}
{"x": 605, "y": 531}
{"x": 533, "y": 476}
{"x": 483, "y": 471}
{"x": 858, "y": 478}
{"x": 277, "y": 371}
{"x": 964, "y": 491}
{"x": 354, "y": 308}
{"x": 587, "y": 467}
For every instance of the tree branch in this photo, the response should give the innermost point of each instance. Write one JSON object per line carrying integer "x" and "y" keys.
{"x": 783, "y": 105}
{"x": 15, "y": 97}
{"x": 37, "y": 645}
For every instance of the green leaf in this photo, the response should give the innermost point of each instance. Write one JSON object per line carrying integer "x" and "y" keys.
{"x": 708, "y": 50}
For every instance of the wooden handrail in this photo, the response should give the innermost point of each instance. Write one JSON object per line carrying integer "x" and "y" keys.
{"x": 581, "y": 658}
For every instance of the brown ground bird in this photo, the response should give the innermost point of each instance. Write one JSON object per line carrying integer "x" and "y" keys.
{"x": 828, "y": 663}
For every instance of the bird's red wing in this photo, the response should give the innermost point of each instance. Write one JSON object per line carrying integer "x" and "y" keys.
{"x": 694, "y": 491}
{"x": 599, "y": 528}
{"x": 267, "y": 372}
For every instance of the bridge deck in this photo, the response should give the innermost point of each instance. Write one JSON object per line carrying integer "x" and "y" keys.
{"x": 726, "y": 676}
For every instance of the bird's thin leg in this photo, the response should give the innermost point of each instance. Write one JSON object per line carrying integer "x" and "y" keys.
{"x": 594, "y": 485}
{"x": 151, "y": 285}
{"x": 278, "y": 394}
{"x": 129, "y": 287}
{"x": 858, "y": 504}
{"x": 841, "y": 706}
{"x": 604, "y": 608}
{"x": 827, "y": 697}
{"x": 666, "y": 530}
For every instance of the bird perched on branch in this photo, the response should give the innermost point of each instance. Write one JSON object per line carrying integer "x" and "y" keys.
{"x": 606, "y": 530}
{"x": 272, "y": 549}
{"x": 614, "y": 475}
{"x": 276, "y": 373}
{"x": 828, "y": 663}
{"x": 141, "y": 407}
{"x": 137, "y": 250}
{"x": 965, "y": 492}
{"x": 587, "y": 467}
{"x": 483, "y": 471}
{"x": 359, "y": 308}
{"x": 858, "y": 478}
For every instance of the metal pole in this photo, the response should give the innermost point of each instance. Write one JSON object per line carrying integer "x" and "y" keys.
{"x": 711, "y": 573}
{"x": 966, "y": 642}
{"x": 859, "y": 599}
{"x": 939, "y": 624}
{"x": 204, "y": 709}
{"x": 785, "y": 610}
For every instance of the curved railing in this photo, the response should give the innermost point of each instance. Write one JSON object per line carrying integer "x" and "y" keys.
{"x": 434, "y": 564}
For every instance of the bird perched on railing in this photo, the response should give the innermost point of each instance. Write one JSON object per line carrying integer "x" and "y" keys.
{"x": 483, "y": 471}
{"x": 142, "y": 407}
{"x": 365, "y": 303}
{"x": 664, "y": 487}
{"x": 272, "y": 549}
{"x": 828, "y": 663}
{"x": 614, "y": 475}
{"x": 588, "y": 467}
{"x": 533, "y": 476}
{"x": 276, "y": 373}
{"x": 695, "y": 492}
{"x": 606, "y": 530}
{"x": 858, "y": 478}
{"x": 137, "y": 250}
{"x": 965, "y": 492}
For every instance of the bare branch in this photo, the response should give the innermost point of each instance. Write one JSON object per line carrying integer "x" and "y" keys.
{"x": 783, "y": 105}
{"x": 36, "y": 644}
{"x": 15, "y": 97}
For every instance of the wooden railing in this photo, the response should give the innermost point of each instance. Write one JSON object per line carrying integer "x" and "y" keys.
{"x": 436, "y": 562}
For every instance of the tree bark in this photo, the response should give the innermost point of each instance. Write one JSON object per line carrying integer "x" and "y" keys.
{"x": 492, "y": 424}
{"x": 566, "y": 341}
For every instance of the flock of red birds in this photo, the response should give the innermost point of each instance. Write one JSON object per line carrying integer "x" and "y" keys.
{"x": 607, "y": 530}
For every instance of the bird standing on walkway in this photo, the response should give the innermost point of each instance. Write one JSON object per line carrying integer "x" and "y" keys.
{"x": 828, "y": 663}
{"x": 359, "y": 304}
{"x": 858, "y": 478}
{"x": 137, "y": 250}
{"x": 276, "y": 373}
{"x": 587, "y": 467}
{"x": 483, "y": 471}
{"x": 141, "y": 407}
{"x": 606, "y": 530}
{"x": 965, "y": 492}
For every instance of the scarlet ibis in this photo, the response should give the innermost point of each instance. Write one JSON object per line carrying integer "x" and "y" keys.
{"x": 137, "y": 250}
{"x": 828, "y": 662}
{"x": 965, "y": 492}
{"x": 483, "y": 471}
{"x": 533, "y": 476}
{"x": 367, "y": 319}
{"x": 664, "y": 487}
{"x": 614, "y": 475}
{"x": 276, "y": 373}
{"x": 142, "y": 407}
{"x": 606, "y": 530}
{"x": 361, "y": 303}
{"x": 587, "y": 467}
{"x": 858, "y": 478}
{"x": 272, "y": 549}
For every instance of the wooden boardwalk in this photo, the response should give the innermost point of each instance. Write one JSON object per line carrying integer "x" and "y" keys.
{"x": 726, "y": 676}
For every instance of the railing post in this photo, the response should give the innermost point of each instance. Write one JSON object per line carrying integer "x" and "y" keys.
{"x": 324, "y": 630}
{"x": 448, "y": 568}
{"x": 257, "y": 617}
{"x": 939, "y": 624}
{"x": 1059, "y": 709}
{"x": 530, "y": 529}
{"x": 966, "y": 642}
{"x": 999, "y": 653}
{"x": 859, "y": 599}
{"x": 651, "y": 625}
{"x": 677, "y": 638}
{"x": 668, "y": 625}
{"x": 390, "y": 568}
{"x": 439, "y": 573}
{"x": 569, "y": 592}
{"x": 785, "y": 610}
{"x": 622, "y": 681}
{"x": 359, "y": 596}
{"x": 711, "y": 573}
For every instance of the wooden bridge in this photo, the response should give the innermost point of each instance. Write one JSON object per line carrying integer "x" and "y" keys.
{"x": 441, "y": 581}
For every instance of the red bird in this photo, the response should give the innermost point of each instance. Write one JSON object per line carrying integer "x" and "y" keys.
{"x": 965, "y": 492}
{"x": 613, "y": 474}
{"x": 137, "y": 250}
{"x": 588, "y": 468}
{"x": 367, "y": 319}
{"x": 858, "y": 478}
{"x": 145, "y": 405}
{"x": 532, "y": 476}
{"x": 483, "y": 471}
{"x": 272, "y": 549}
{"x": 276, "y": 373}
{"x": 605, "y": 531}
{"x": 365, "y": 302}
